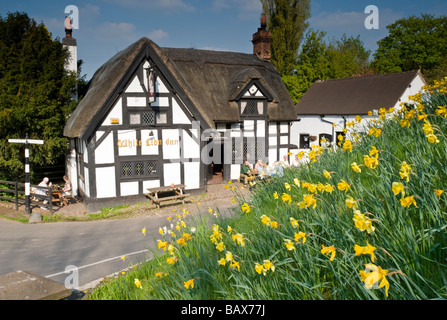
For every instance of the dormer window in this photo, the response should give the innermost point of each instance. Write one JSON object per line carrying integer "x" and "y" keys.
{"x": 252, "y": 107}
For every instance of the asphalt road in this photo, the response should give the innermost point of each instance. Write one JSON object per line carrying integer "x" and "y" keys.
{"x": 93, "y": 248}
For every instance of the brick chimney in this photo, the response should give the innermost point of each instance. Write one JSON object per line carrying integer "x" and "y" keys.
{"x": 261, "y": 40}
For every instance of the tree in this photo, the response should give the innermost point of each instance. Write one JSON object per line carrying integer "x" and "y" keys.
{"x": 413, "y": 43}
{"x": 321, "y": 60}
{"x": 35, "y": 94}
{"x": 287, "y": 22}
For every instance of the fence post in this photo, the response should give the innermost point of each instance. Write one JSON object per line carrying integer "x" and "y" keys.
{"x": 16, "y": 193}
{"x": 50, "y": 203}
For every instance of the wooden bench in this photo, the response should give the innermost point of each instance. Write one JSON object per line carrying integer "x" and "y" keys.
{"x": 167, "y": 193}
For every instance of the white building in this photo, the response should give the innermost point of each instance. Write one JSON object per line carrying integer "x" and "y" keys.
{"x": 155, "y": 116}
{"x": 328, "y": 106}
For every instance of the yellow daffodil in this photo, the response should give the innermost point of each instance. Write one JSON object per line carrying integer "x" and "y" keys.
{"x": 372, "y": 275}
{"x": 329, "y": 250}
{"x": 268, "y": 266}
{"x": 343, "y": 186}
{"x": 260, "y": 269}
{"x": 222, "y": 262}
{"x": 229, "y": 256}
{"x": 296, "y": 182}
{"x": 362, "y": 223}
{"x": 245, "y": 208}
{"x": 274, "y": 224}
{"x": 275, "y": 195}
{"x": 265, "y": 220}
{"x": 123, "y": 258}
{"x": 428, "y": 129}
{"x": 294, "y": 222}
{"x": 408, "y": 201}
{"x": 162, "y": 245}
{"x": 235, "y": 265}
{"x": 161, "y": 274}
{"x": 351, "y": 203}
{"x": 286, "y": 198}
{"x": 181, "y": 241}
{"x": 368, "y": 249}
{"x": 308, "y": 200}
{"x": 300, "y": 236}
{"x": 370, "y": 162}
{"x": 239, "y": 239}
{"x": 441, "y": 111}
{"x": 432, "y": 138}
{"x": 171, "y": 260}
{"x": 138, "y": 283}
{"x": 347, "y": 146}
{"x": 287, "y": 186}
{"x": 328, "y": 187}
{"x": 327, "y": 174}
{"x": 289, "y": 245}
{"x": 438, "y": 193}
{"x": 405, "y": 170}
{"x": 374, "y": 152}
{"x": 186, "y": 236}
{"x": 144, "y": 231}
{"x": 356, "y": 167}
{"x": 189, "y": 284}
{"x": 220, "y": 246}
{"x": 374, "y": 131}
{"x": 397, "y": 188}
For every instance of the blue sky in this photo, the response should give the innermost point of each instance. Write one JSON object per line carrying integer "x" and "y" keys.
{"x": 108, "y": 26}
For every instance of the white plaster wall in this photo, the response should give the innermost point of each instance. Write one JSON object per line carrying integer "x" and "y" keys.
{"x": 171, "y": 151}
{"x": 150, "y": 184}
{"x": 127, "y": 135}
{"x": 105, "y": 182}
{"x": 190, "y": 148}
{"x": 192, "y": 175}
{"x": 136, "y": 102}
{"x": 178, "y": 116}
{"x": 86, "y": 184}
{"x": 115, "y": 113}
{"x": 129, "y": 188}
{"x": 171, "y": 173}
{"x": 149, "y": 149}
{"x": 134, "y": 86}
{"x": 235, "y": 171}
{"x": 104, "y": 153}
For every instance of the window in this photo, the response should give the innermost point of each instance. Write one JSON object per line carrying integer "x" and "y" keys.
{"x": 148, "y": 118}
{"x": 252, "y": 107}
{"x": 138, "y": 169}
{"x": 326, "y": 137}
{"x": 304, "y": 141}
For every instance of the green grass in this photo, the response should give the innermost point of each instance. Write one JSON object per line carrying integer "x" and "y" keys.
{"x": 410, "y": 242}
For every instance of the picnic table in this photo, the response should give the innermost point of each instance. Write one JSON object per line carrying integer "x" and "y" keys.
{"x": 167, "y": 193}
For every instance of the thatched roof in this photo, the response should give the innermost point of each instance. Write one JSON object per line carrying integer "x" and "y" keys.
{"x": 355, "y": 96}
{"x": 210, "y": 80}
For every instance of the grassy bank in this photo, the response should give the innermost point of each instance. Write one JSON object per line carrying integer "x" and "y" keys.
{"x": 368, "y": 221}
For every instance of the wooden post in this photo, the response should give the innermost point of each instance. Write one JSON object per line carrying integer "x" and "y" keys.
{"x": 16, "y": 193}
{"x": 50, "y": 203}
{"x": 27, "y": 142}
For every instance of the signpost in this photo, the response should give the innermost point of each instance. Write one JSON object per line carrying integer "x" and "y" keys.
{"x": 27, "y": 142}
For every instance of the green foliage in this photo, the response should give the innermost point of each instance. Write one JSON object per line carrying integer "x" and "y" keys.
{"x": 414, "y": 43}
{"x": 35, "y": 93}
{"x": 287, "y": 22}
{"x": 322, "y": 60}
